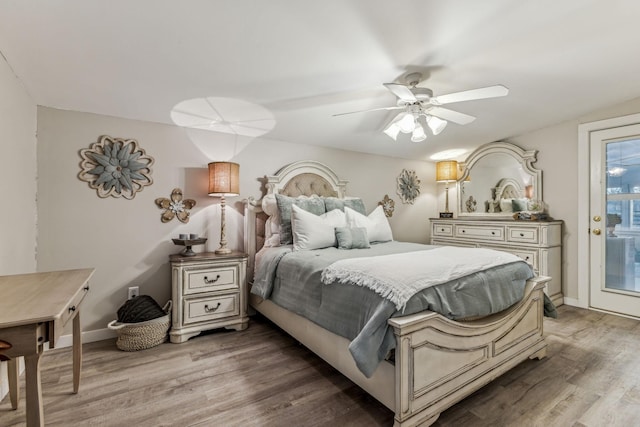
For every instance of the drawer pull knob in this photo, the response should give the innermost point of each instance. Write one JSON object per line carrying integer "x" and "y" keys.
{"x": 208, "y": 309}
{"x": 463, "y": 231}
{"x": 86, "y": 288}
{"x": 442, "y": 229}
{"x": 521, "y": 234}
{"x": 209, "y": 281}
{"x": 493, "y": 233}
{"x": 72, "y": 308}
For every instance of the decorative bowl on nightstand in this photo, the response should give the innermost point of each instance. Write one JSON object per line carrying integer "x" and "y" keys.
{"x": 187, "y": 243}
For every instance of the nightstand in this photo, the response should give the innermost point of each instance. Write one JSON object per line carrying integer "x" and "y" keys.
{"x": 208, "y": 291}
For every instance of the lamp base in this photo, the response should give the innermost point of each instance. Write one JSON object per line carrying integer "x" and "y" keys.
{"x": 446, "y": 214}
{"x": 222, "y": 251}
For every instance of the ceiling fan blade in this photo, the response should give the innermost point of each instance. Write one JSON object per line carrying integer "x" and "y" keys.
{"x": 450, "y": 115}
{"x": 469, "y": 95}
{"x": 402, "y": 92}
{"x": 366, "y": 111}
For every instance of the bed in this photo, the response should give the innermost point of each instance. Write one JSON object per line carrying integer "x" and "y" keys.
{"x": 437, "y": 361}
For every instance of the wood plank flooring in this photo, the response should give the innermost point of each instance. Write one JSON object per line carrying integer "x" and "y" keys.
{"x": 262, "y": 377}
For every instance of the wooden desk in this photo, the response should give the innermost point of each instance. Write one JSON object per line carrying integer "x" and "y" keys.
{"x": 34, "y": 308}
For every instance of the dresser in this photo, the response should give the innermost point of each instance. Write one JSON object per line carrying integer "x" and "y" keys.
{"x": 208, "y": 291}
{"x": 538, "y": 243}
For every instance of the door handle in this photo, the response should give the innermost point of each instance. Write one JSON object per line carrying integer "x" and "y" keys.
{"x": 596, "y": 231}
{"x": 597, "y": 218}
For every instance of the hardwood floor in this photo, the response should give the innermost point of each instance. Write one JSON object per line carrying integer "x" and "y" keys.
{"x": 262, "y": 377}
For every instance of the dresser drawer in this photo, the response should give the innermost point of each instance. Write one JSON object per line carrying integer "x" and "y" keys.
{"x": 480, "y": 232}
{"x": 531, "y": 257}
{"x": 210, "y": 279}
{"x": 523, "y": 234}
{"x": 217, "y": 307}
{"x": 442, "y": 230}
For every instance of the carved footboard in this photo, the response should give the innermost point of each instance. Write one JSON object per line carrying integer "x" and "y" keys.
{"x": 439, "y": 362}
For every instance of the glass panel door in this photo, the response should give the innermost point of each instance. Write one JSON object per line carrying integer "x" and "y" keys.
{"x": 615, "y": 220}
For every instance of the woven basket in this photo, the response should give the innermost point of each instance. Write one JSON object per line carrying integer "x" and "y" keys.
{"x": 142, "y": 335}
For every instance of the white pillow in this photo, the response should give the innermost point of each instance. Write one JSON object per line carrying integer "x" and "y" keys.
{"x": 506, "y": 205}
{"x": 312, "y": 231}
{"x": 377, "y": 225}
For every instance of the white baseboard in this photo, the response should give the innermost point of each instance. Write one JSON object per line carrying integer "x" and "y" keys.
{"x": 87, "y": 337}
{"x": 63, "y": 341}
{"x": 574, "y": 302}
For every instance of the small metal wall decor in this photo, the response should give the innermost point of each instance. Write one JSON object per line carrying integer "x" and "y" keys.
{"x": 116, "y": 167}
{"x": 388, "y": 205}
{"x": 408, "y": 186}
{"x": 176, "y": 207}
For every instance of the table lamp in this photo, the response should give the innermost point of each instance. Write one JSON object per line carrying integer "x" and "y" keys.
{"x": 447, "y": 171}
{"x": 224, "y": 180}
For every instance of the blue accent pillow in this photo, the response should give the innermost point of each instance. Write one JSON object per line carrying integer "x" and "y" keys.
{"x": 315, "y": 205}
{"x": 356, "y": 204}
{"x": 519, "y": 205}
{"x": 352, "y": 238}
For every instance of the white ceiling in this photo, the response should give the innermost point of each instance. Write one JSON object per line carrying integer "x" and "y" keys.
{"x": 298, "y": 62}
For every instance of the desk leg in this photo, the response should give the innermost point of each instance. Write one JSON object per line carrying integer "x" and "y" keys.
{"x": 14, "y": 387}
{"x": 77, "y": 352}
{"x": 35, "y": 411}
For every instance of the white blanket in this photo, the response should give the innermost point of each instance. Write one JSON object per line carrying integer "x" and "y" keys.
{"x": 398, "y": 277}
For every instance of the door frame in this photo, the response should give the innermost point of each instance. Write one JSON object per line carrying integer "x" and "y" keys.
{"x": 584, "y": 191}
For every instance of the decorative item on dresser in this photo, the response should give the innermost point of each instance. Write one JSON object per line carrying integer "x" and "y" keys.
{"x": 538, "y": 243}
{"x": 447, "y": 172}
{"x": 208, "y": 291}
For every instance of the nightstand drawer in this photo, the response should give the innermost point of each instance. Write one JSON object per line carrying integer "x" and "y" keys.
{"x": 522, "y": 234}
{"x": 480, "y": 232}
{"x": 203, "y": 309}
{"x": 210, "y": 279}
{"x": 442, "y": 230}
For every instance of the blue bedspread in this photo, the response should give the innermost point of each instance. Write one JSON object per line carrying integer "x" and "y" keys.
{"x": 291, "y": 279}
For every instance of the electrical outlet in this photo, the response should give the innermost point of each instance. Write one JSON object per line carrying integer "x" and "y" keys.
{"x": 134, "y": 291}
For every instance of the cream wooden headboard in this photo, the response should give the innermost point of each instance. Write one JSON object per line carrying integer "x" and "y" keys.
{"x": 507, "y": 188}
{"x": 303, "y": 178}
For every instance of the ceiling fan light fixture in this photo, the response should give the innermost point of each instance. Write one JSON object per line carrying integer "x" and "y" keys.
{"x": 418, "y": 134}
{"x": 406, "y": 122}
{"x": 392, "y": 130}
{"x": 436, "y": 124}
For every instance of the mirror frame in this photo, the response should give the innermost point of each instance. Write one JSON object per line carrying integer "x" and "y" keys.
{"x": 525, "y": 158}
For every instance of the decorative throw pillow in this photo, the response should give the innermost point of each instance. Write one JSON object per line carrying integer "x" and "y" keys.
{"x": 506, "y": 205}
{"x": 520, "y": 205}
{"x": 315, "y": 231}
{"x": 354, "y": 203}
{"x": 314, "y": 204}
{"x": 376, "y": 223}
{"x": 352, "y": 238}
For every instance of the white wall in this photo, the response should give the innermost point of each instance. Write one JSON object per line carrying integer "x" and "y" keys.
{"x": 124, "y": 239}
{"x": 17, "y": 181}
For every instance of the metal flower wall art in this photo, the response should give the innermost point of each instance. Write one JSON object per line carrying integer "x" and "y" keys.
{"x": 175, "y": 207}
{"x": 388, "y": 205}
{"x": 116, "y": 167}
{"x": 408, "y": 186}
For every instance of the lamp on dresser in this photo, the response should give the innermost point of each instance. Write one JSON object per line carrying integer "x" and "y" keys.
{"x": 224, "y": 181}
{"x": 447, "y": 172}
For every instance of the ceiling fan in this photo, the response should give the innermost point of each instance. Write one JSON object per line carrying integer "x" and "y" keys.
{"x": 418, "y": 102}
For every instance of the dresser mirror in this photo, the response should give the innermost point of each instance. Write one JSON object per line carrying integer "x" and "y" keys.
{"x": 497, "y": 180}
